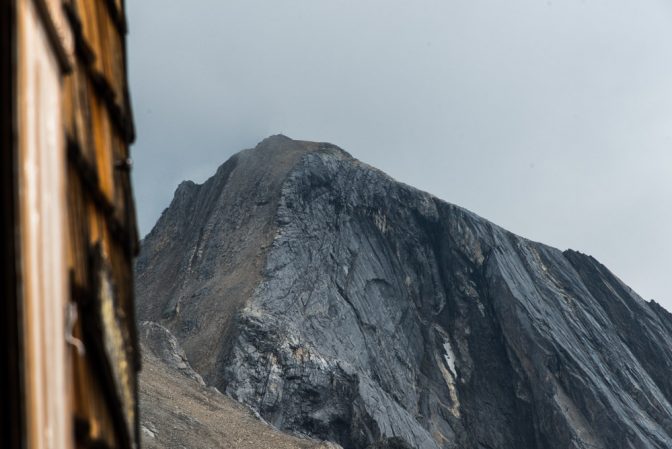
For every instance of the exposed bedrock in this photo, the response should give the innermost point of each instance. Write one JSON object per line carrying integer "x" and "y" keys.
{"x": 342, "y": 304}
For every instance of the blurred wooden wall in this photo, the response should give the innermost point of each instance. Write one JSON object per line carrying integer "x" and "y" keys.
{"x": 72, "y": 220}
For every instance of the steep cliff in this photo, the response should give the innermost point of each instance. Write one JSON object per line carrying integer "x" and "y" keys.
{"x": 342, "y": 304}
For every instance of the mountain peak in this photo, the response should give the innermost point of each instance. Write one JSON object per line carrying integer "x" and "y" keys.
{"x": 274, "y": 139}
{"x": 339, "y": 303}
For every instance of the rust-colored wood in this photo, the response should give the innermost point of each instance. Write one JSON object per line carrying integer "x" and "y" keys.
{"x": 98, "y": 136}
{"x": 76, "y": 349}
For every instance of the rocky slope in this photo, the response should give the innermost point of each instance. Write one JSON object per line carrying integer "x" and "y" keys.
{"x": 339, "y": 303}
{"x": 178, "y": 411}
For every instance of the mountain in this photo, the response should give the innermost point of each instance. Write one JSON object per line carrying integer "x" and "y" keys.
{"x": 341, "y": 304}
{"x": 178, "y": 411}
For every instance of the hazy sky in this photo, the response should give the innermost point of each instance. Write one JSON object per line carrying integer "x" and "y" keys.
{"x": 550, "y": 118}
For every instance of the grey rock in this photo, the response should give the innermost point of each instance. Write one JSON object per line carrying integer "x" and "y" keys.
{"x": 164, "y": 346}
{"x": 178, "y": 412}
{"x": 390, "y": 443}
{"x": 341, "y": 304}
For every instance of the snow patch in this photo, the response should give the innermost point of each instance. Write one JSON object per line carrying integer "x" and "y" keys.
{"x": 448, "y": 371}
{"x": 449, "y": 356}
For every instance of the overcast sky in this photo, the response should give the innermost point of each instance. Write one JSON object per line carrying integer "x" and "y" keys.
{"x": 550, "y": 118}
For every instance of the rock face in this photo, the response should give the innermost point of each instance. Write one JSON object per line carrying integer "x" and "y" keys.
{"x": 342, "y": 304}
{"x": 178, "y": 412}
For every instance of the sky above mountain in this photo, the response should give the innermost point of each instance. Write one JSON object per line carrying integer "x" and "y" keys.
{"x": 552, "y": 119}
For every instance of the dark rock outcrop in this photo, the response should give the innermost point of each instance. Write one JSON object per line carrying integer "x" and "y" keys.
{"x": 342, "y": 304}
{"x": 178, "y": 412}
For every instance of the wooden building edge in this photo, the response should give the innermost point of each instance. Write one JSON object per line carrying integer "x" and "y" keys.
{"x": 68, "y": 226}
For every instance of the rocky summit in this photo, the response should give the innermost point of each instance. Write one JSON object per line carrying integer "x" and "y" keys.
{"x": 342, "y": 305}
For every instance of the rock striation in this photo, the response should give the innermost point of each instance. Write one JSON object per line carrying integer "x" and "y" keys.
{"x": 341, "y": 304}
